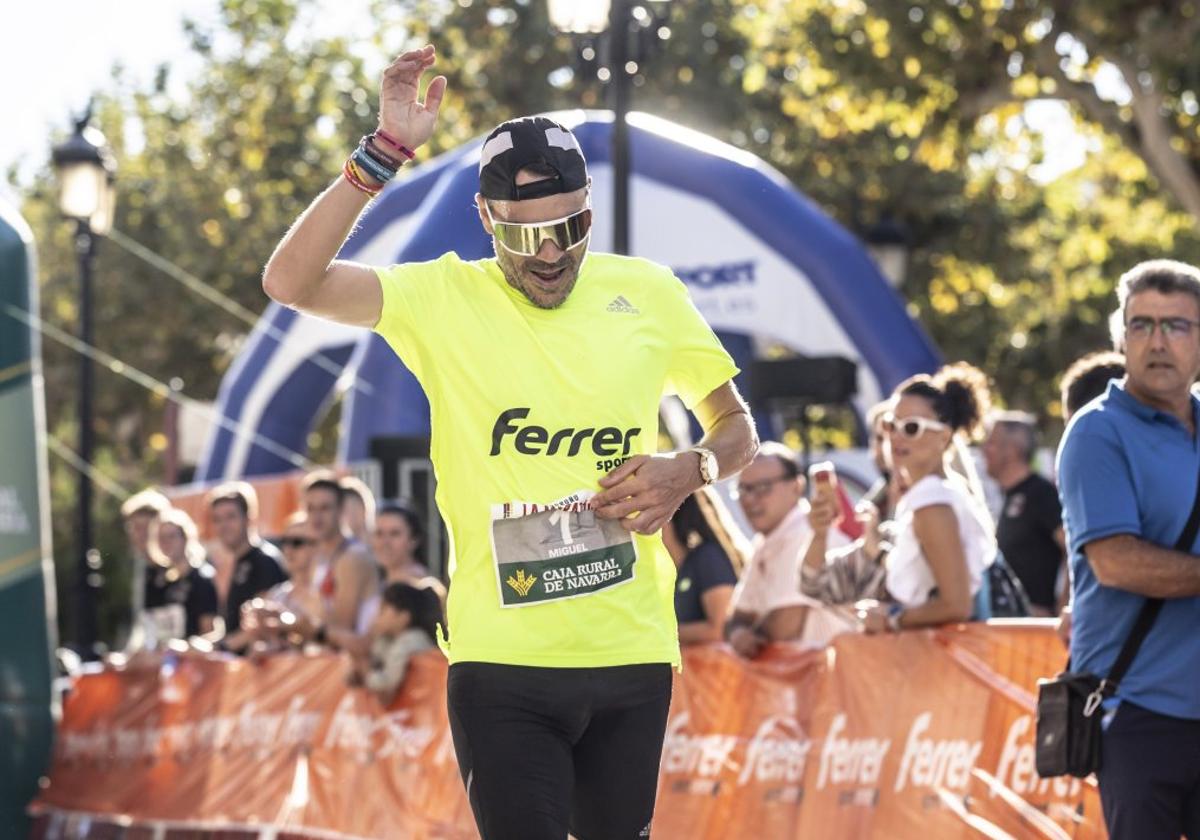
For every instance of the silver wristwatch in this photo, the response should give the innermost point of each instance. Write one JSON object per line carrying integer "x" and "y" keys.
{"x": 709, "y": 470}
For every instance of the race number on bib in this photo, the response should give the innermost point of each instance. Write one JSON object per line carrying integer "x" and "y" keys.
{"x": 561, "y": 550}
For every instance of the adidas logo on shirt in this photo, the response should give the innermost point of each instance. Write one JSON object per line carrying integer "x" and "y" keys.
{"x": 620, "y": 304}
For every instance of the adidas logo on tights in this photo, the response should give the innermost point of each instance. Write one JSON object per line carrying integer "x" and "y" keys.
{"x": 620, "y": 304}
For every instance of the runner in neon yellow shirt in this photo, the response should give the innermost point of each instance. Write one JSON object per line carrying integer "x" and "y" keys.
{"x": 544, "y": 368}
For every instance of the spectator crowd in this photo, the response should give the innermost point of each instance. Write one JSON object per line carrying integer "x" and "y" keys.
{"x": 919, "y": 548}
{"x": 922, "y": 547}
{"x": 344, "y": 574}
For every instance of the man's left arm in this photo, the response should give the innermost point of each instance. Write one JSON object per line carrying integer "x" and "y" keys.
{"x": 653, "y": 486}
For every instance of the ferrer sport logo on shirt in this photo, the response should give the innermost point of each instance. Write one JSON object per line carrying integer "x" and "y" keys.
{"x": 610, "y": 443}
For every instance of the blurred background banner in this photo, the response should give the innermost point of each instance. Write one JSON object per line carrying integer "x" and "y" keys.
{"x": 801, "y": 743}
{"x": 27, "y": 634}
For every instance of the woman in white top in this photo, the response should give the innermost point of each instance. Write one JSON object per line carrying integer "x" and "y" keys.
{"x": 944, "y": 539}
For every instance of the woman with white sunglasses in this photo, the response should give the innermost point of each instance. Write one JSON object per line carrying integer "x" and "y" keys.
{"x": 944, "y": 539}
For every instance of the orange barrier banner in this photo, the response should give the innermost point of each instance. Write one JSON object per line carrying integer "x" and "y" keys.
{"x": 924, "y": 735}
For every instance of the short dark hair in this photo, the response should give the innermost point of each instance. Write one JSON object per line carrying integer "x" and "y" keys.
{"x": 238, "y": 493}
{"x": 421, "y": 602}
{"x": 1021, "y": 425}
{"x": 324, "y": 480}
{"x": 148, "y": 502}
{"x": 782, "y": 453}
{"x": 1088, "y": 378}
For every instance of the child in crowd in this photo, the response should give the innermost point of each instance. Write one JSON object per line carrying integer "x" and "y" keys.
{"x": 405, "y": 626}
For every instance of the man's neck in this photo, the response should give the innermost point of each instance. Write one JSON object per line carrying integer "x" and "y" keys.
{"x": 402, "y": 564}
{"x": 1178, "y": 406}
{"x": 1012, "y": 475}
{"x": 238, "y": 550}
{"x": 801, "y": 506}
{"x": 328, "y": 546}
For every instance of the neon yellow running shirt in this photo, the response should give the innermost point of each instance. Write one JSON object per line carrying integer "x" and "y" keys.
{"x": 529, "y": 408}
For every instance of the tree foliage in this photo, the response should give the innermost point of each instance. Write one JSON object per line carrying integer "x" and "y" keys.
{"x": 912, "y": 111}
{"x": 210, "y": 181}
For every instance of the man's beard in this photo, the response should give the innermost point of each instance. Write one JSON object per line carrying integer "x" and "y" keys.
{"x": 516, "y": 269}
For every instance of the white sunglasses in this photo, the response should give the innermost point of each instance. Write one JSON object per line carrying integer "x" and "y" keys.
{"x": 910, "y": 427}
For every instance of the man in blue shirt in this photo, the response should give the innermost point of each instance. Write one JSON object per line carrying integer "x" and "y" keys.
{"x": 1128, "y": 467}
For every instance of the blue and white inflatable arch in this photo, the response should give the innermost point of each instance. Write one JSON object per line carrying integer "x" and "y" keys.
{"x": 764, "y": 265}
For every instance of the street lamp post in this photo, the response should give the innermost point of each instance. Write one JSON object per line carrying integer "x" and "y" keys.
{"x": 619, "y": 21}
{"x": 85, "y": 172}
{"x": 618, "y": 28}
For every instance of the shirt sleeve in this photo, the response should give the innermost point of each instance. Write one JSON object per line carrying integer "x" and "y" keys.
{"x": 1047, "y": 511}
{"x": 699, "y": 363}
{"x": 203, "y": 597}
{"x": 267, "y": 573}
{"x": 928, "y": 492}
{"x": 393, "y": 657}
{"x": 1096, "y": 486}
{"x": 412, "y": 294}
{"x": 847, "y": 576}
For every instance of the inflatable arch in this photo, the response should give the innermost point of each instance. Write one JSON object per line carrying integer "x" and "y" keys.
{"x": 763, "y": 263}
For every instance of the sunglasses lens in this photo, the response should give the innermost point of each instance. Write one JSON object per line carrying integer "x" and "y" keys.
{"x": 911, "y": 428}
{"x": 527, "y": 239}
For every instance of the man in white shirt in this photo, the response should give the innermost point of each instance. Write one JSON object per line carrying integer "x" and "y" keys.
{"x": 767, "y": 604}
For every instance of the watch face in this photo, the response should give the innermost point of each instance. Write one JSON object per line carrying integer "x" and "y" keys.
{"x": 708, "y": 466}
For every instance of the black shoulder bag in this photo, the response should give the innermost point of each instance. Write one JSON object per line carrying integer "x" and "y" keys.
{"x": 1068, "y": 723}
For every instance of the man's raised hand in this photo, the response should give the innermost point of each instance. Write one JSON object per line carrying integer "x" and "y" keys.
{"x": 400, "y": 113}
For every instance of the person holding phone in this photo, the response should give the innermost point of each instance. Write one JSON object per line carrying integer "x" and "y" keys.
{"x": 944, "y": 539}
{"x": 767, "y": 603}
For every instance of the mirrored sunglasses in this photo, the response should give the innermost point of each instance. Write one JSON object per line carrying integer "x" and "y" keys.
{"x": 526, "y": 239}
{"x": 910, "y": 427}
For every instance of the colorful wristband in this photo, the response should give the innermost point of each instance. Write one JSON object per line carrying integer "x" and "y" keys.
{"x": 367, "y": 144}
{"x": 372, "y": 167}
{"x": 394, "y": 143}
{"x": 348, "y": 170}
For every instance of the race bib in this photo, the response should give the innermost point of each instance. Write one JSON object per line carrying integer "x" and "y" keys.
{"x": 557, "y": 551}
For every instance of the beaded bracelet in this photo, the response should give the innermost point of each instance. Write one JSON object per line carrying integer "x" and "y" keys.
{"x": 394, "y": 143}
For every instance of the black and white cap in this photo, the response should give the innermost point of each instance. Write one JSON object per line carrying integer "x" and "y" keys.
{"x": 516, "y": 144}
